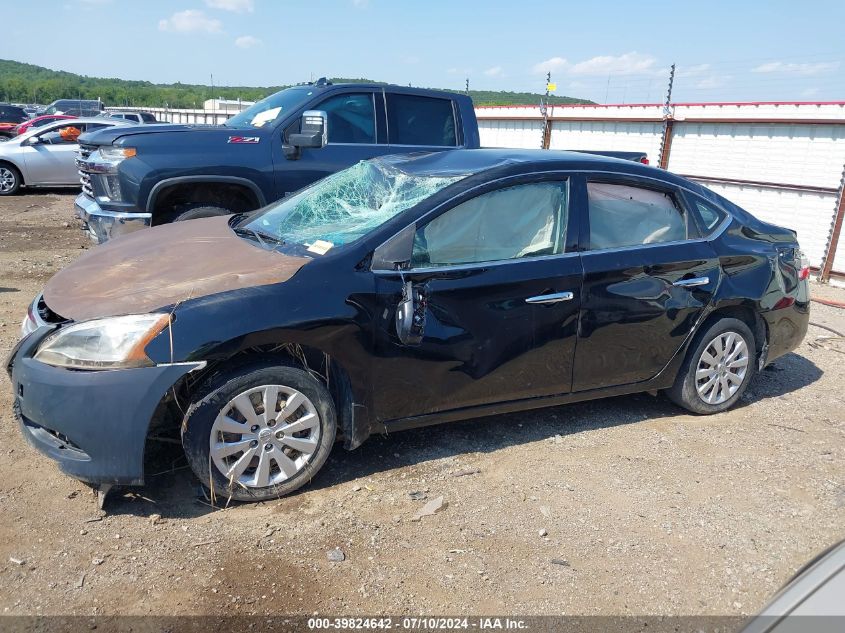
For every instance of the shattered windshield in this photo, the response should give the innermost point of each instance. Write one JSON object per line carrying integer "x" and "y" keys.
{"x": 345, "y": 206}
{"x": 271, "y": 109}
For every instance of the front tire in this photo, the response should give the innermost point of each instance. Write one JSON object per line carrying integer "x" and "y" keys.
{"x": 719, "y": 365}
{"x": 259, "y": 432}
{"x": 201, "y": 211}
{"x": 10, "y": 180}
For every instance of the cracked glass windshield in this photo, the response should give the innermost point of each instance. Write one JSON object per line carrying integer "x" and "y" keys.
{"x": 273, "y": 108}
{"x": 345, "y": 206}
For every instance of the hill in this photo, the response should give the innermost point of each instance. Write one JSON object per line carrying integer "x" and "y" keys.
{"x": 27, "y": 83}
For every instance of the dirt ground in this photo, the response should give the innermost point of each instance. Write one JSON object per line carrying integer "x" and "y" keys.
{"x": 620, "y": 506}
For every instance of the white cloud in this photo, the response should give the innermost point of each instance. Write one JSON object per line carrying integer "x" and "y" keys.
{"x": 459, "y": 71}
{"x": 190, "y": 21}
{"x": 632, "y": 63}
{"x": 238, "y": 6}
{"x": 797, "y": 69}
{"x": 495, "y": 71}
{"x": 247, "y": 41}
{"x": 550, "y": 65}
{"x": 360, "y": 4}
{"x": 693, "y": 71}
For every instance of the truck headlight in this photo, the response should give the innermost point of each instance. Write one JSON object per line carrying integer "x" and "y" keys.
{"x": 117, "y": 154}
{"x": 111, "y": 343}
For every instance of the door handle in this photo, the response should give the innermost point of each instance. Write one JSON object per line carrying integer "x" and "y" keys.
{"x": 551, "y": 298}
{"x": 691, "y": 283}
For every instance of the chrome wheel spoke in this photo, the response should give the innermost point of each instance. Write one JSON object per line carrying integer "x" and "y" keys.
{"x": 243, "y": 405}
{"x": 271, "y": 397}
{"x": 227, "y": 449}
{"x": 302, "y": 444}
{"x": 291, "y": 405}
{"x": 304, "y": 423}
{"x": 228, "y": 425}
{"x": 286, "y": 464}
{"x": 262, "y": 473}
{"x": 240, "y": 466}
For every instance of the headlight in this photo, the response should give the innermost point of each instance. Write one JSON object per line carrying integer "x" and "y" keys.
{"x": 112, "y": 343}
{"x": 117, "y": 154}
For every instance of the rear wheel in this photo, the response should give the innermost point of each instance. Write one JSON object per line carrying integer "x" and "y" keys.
{"x": 717, "y": 370}
{"x": 10, "y": 180}
{"x": 201, "y": 211}
{"x": 259, "y": 432}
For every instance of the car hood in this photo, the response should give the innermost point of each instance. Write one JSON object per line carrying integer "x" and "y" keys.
{"x": 108, "y": 136}
{"x": 158, "y": 267}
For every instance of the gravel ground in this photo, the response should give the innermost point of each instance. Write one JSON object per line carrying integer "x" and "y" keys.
{"x": 620, "y": 506}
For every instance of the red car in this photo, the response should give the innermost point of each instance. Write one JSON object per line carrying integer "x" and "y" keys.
{"x": 39, "y": 121}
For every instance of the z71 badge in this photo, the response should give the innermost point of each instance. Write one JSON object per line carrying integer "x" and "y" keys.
{"x": 244, "y": 139}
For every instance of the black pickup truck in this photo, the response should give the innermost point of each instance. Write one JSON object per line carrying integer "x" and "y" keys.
{"x": 135, "y": 177}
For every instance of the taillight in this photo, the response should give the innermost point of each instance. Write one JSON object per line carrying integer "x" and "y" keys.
{"x": 644, "y": 160}
{"x": 804, "y": 266}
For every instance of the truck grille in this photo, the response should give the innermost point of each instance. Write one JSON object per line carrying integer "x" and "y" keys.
{"x": 85, "y": 178}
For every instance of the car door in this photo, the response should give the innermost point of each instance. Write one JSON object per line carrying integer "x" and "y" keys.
{"x": 497, "y": 285}
{"x": 648, "y": 277}
{"x": 355, "y": 132}
{"x": 53, "y": 160}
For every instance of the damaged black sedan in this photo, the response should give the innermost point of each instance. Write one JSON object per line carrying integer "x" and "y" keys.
{"x": 404, "y": 291}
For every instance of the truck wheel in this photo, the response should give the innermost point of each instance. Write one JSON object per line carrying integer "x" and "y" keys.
{"x": 201, "y": 211}
{"x": 10, "y": 180}
{"x": 259, "y": 432}
{"x": 719, "y": 365}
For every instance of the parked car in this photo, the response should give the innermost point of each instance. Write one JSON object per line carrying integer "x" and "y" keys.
{"x": 45, "y": 156}
{"x": 75, "y": 107}
{"x": 10, "y": 117}
{"x": 403, "y": 291}
{"x": 169, "y": 173}
{"x": 810, "y": 601}
{"x": 133, "y": 117}
{"x": 39, "y": 121}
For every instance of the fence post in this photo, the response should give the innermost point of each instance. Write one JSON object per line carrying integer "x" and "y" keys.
{"x": 835, "y": 230}
{"x": 666, "y": 142}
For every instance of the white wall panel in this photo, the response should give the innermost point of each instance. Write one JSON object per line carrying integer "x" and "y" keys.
{"x": 807, "y": 155}
{"x": 808, "y": 213}
{"x": 526, "y": 134}
{"x": 621, "y": 136}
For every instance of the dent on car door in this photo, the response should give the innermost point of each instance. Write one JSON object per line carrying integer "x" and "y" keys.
{"x": 494, "y": 288}
{"x": 353, "y": 134}
{"x": 648, "y": 277}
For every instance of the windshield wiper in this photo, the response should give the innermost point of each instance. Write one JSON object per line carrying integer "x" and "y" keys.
{"x": 263, "y": 238}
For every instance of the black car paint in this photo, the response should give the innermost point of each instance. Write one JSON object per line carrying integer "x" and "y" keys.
{"x": 623, "y": 300}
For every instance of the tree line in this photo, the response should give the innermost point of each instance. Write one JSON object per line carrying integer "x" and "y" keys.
{"x": 27, "y": 83}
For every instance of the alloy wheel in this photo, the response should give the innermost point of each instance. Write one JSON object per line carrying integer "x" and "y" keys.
{"x": 721, "y": 368}
{"x": 265, "y": 436}
{"x": 7, "y": 180}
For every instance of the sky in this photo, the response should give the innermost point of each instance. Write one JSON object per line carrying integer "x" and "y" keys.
{"x": 609, "y": 51}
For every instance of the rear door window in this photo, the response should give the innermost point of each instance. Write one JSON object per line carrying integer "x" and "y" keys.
{"x": 622, "y": 215}
{"x": 426, "y": 121}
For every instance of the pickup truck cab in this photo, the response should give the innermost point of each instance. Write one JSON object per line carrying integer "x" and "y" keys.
{"x": 140, "y": 176}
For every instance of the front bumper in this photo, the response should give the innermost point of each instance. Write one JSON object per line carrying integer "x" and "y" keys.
{"x": 93, "y": 423}
{"x": 102, "y": 225}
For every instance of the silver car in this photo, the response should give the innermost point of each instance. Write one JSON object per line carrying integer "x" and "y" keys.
{"x": 45, "y": 156}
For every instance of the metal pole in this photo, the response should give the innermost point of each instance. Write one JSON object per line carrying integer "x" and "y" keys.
{"x": 668, "y": 123}
{"x": 544, "y": 110}
{"x": 833, "y": 237}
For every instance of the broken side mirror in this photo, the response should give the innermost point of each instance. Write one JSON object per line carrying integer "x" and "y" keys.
{"x": 410, "y": 314}
{"x": 313, "y": 133}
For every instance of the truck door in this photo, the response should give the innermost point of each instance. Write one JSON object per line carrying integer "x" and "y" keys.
{"x": 355, "y": 132}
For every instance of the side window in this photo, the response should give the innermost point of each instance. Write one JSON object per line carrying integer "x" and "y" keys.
{"x": 63, "y": 135}
{"x": 351, "y": 118}
{"x": 622, "y": 215}
{"x": 413, "y": 120}
{"x": 710, "y": 215}
{"x": 522, "y": 221}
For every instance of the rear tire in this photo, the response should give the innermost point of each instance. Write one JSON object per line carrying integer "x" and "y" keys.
{"x": 10, "y": 180}
{"x": 201, "y": 211}
{"x": 720, "y": 363}
{"x": 235, "y": 447}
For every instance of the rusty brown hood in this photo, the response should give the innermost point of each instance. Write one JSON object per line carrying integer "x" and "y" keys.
{"x": 157, "y": 267}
